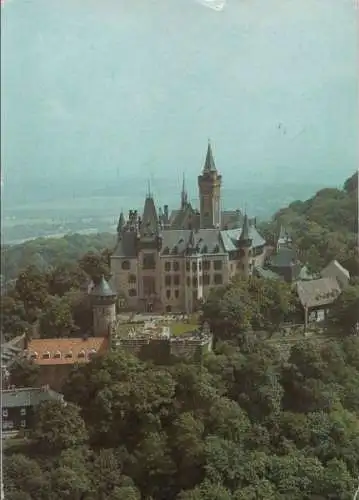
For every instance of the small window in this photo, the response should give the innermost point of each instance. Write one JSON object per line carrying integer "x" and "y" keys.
{"x": 176, "y": 294}
{"x": 5, "y": 412}
{"x": 194, "y": 281}
{"x": 168, "y": 280}
{"x": 176, "y": 266}
{"x": 168, "y": 294}
{"x": 175, "y": 250}
{"x": 218, "y": 280}
{"x": 132, "y": 278}
{"x": 188, "y": 281}
{"x": 188, "y": 266}
{"x": 206, "y": 265}
{"x": 205, "y": 249}
{"x": 216, "y": 249}
{"x": 23, "y": 423}
{"x": 23, "y": 412}
{"x": 217, "y": 264}
{"x": 57, "y": 355}
{"x": 92, "y": 353}
{"x": 176, "y": 280}
{"x": 206, "y": 279}
{"x": 46, "y": 355}
{"x": 68, "y": 355}
{"x": 194, "y": 266}
{"x": 166, "y": 251}
{"x": 34, "y": 355}
{"x": 167, "y": 267}
{"x": 81, "y": 354}
{"x": 132, "y": 292}
{"x": 126, "y": 265}
{"x": 168, "y": 309}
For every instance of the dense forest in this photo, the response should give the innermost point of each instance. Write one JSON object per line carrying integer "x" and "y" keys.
{"x": 248, "y": 423}
{"x": 323, "y": 228}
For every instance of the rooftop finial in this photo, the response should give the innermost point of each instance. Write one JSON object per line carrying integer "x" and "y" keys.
{"x": 149, "y": 188}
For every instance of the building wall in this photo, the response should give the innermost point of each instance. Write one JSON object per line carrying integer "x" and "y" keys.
{"x": 16, "y": 418}
{"x": 53, "y": 375}
{"x": 125, "y": 273}
{"x": 103, "y": 317}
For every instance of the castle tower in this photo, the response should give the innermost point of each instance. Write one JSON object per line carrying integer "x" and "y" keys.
{"x": 244, "y": 244}
{"x": 103, "y": 300}
{"x": 209, "y": 184}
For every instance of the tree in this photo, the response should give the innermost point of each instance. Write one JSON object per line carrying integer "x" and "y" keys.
{"x": 344, "y": 314}
{"x": 95, "y": 265}
{"x": 24, "y": 373}
{"x": 56, "y": 321}
{"x": 58, "y": 426}
{"x": 64, "y": 278}
{"x": 31, "y": 289}
{"x": 23, "y": 476}
{"x": 13, "y": 316}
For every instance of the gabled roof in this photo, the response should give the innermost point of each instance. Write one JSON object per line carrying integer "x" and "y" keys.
{"x": 73, "y": 346}
{"x": 284, "y": 257}
{"x": 126, "y": 246}
{"x": 150, "y": 222}
{"x": 266, "y": 274}
{"x": 28, "y": 396}
{"x": 337, "y": 271}
{"x": 102, "y": 289}
{"x": 244, "y": 236}
{"x": 318, "y": 292}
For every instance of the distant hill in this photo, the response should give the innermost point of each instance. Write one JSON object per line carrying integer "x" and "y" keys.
{"x": 47, "y": 252}
{"x": 323, "y": 227}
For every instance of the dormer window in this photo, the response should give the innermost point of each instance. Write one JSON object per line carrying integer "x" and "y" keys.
{"x": 81, "y": 354}
{"x": 166, "y": 251}
{"x": 34, "y": 355}
{"x": 92, "y": 353}
{"x": 216, "y": 249}
{"x": 205, "y": 249}
{"x": 57, "y": 355}
{"x": 68, "y": 355}
{"x": 46, "y": 355}
{"x": 181, "y": 241}
{"x": 175, "y": 250}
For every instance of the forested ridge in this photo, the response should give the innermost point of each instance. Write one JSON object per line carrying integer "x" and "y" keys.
{"x": 246, "y": 424}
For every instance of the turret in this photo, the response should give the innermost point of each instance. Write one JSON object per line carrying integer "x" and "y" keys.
{"x": 103, "y": 300}
{"x": 209, "y": 184}
{"x": 244, "y": 244}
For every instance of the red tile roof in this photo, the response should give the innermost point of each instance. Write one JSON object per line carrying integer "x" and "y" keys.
{"x": 66, "y": 351}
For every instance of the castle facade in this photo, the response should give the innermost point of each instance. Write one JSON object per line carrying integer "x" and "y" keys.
{"x": 168, "y": 262}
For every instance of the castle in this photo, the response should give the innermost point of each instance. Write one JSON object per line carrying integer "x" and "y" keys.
{"x": 168, "y": 262}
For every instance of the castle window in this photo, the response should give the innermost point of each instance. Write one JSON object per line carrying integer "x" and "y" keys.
{"x": 200, "y": 265}
{"x": 188, "y": 266}
{"x": 168, "y": 280}
{"x": 176, "y": 266}
{"x": 206, "y": 279}
{"x": 217, "y": 265}
{"x": 81, "y": 354}
{"x": 166, "y": 251}
{"x": 23, "y": 423}
{"x": 132, "y": 278}
{"x": 176, "y": 294}
{"x": 181, "y": 241}
{"x": 5, "y": 412}
{"x": 68, "y": 355}
{"x": 168, "y": 294}
{"x": 194, "y": 266}
{"x": 149, "y": 261}
{"x": 175, "y": 250}
{"x": 168, "y": 309}
{"x": 23, "y": 412}
{"x": 188, "y": 281}
{"x": 126, "y": 265}
{"x": 46, "y": 355}
{"x": 216, "y": 249}
{"x": 206, "y": 265}
{"x": 176, "y": 280}
{"x": 218, "y": 280}
{"x": 132, "y": 292}
{"x": 194, "y": 281}
{"x": 205, "y": 249}
{"x": 57, "y": 355}
{"x": 167, "y": 267}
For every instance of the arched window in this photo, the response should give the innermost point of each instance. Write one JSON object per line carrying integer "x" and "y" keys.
{"x": 81, "y": 354}
{"x": 57, "y": 355}
{"x": 126, "y": 265}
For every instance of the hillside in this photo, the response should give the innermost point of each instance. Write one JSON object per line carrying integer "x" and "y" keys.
{"x": 49, "y": 252}
{"x": 323, "y": 227}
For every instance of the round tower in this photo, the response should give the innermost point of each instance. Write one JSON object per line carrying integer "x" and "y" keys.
{"x": 103, "y": 300}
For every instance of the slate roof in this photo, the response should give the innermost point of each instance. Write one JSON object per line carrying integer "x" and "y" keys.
{"x": 260, "y": 272}
{"x": 337, "y": 271}
{"x": 28, "y": 396}
{"x": 126, "y": 246}
{"x": 285, "y": 257}
{"x": 150, "y": 221}
{"x": 73, "y": 346}
{"x": 230, "y": 219}
{"x": 209, "y": 241}
{"x": 318, "y": 292}
{"x": 102, "y": 289}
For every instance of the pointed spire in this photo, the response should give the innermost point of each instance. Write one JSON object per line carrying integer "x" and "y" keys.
{"x": 184, "y": 195}
{"x": 191, "y": 239}
{"x": 121, "y": 222}
{"x": 149, "y": 195}
{"x": 209, "y": 164}
{"x": 244, "y": 236}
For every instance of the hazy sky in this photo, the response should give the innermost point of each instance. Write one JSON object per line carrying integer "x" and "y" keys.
{"x": 108, "y": 89}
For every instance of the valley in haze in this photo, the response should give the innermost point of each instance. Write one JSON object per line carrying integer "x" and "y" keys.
{"x": 98, "y": 98}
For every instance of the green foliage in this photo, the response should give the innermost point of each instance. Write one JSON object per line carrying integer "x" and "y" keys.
{"x": 56, "y": 320}
{"x": 344, "y": 315}
{"x": 24, "y": 373}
